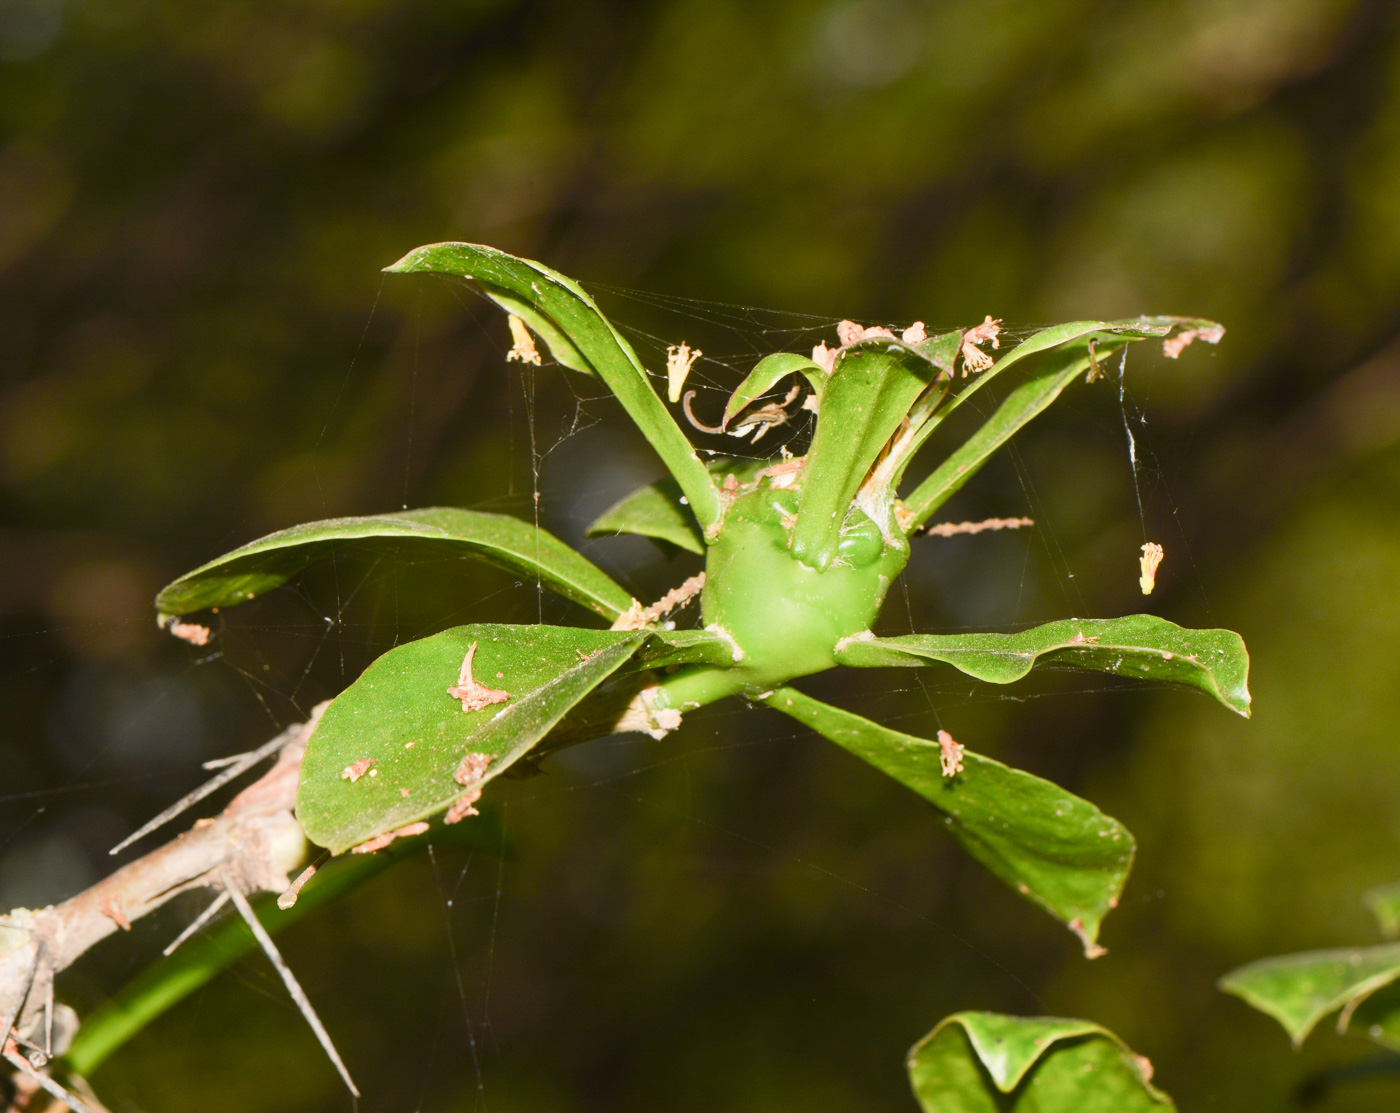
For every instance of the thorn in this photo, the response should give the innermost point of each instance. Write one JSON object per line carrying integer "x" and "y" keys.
{"x": 198, "y": 922}
{"x": 213, "y": 784}
{"x": 288, "y": 978}
{"x": 25, "y": 986}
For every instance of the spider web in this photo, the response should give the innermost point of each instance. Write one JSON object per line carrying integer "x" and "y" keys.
{"x": 317, "y": 633}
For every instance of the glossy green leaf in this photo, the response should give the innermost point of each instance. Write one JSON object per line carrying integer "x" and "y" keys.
{"x": 398, "y": 714}
{"x": 684, "y": 647}
{"x": 1140, "y": 645}
{"x": 943, "y": 349}
{"x": 496, "y": 538}
{"x": 661, "y": 511}
{"x": 1057, "y": 850}
{"x": 1377, "y": 1016}
{"x": 171, "y": 979}
{"x": 1128, "y": 329}
{"x": 766, "y": 374}
{"x": 976, "y": 1062}
{"x": 562, "y": 303}
{"x": 1384, "y": 903}
{"x": 1299, "y": 990}
{"x": 1027, "y": 401}
{"x": 870, "y": 392}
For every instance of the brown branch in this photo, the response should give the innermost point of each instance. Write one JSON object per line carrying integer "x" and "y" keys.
{"x": 253, "y": 843}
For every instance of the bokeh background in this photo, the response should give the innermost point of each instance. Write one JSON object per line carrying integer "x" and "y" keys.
{"x": 197, "y": 347}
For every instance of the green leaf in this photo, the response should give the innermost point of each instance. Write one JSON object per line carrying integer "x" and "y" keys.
{"x": 1141, "y": 645}
{"x": 399, "y": 715}
{"x": 1057, "y": 850}
{"x": 1384, "y": 903}
{"x": 1027, "y": 401}
{"x": 1042, "y": 1065}
{"x": 498, "y": 539}
{"x": 660, "y": 510}
{"x": 556, "y": 301}
{"x": 943, "y": 349}
{"x": 870, "y": 392}
{"x": 1299, "y": 990}
{"x": 766, "y": 373}
{"x": 1125, "y": 329}
{"x": 1377, "y": 1016}
{"x": 685, "y": 647}
{"x": 171, "y": 979}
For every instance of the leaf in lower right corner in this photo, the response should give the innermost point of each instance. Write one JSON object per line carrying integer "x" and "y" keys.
{"x": 977, "y": 1062}
{"x": 1299, "y": 990}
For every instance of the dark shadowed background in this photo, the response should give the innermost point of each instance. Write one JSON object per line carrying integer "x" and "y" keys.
{"x": 197, "y": 347}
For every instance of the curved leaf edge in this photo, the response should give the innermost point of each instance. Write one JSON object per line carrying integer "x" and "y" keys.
{"x": 987, "y": 1033}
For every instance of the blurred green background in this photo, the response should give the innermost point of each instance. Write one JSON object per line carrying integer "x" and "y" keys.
{"x": 197, "y": 347}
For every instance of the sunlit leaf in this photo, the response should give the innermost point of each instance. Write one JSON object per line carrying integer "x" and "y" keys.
{"x": 1384, "y": 903}
{"x": 406, "y": 736}
{"x": 976, "y": 1062}
{"x": 870, "y": 392}
{"x": 1299, "y": 990}
{"x": 1057, "y": 850}
{"x": 496, "y": 538}
{"x": 661, "y": 511}
{"x": 559, "y": 301}
{"x": 767, "y": 372}
{"x": 1140, "y": 645}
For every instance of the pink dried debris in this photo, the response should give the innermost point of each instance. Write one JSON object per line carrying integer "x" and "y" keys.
{"x": 1174, "y": 346}
{"x": 678, "y": 364}
{"x": 462, "y": 807}
{"x": 379, "y": 842}
{"x": 472, "y": 768}
{"x": 1151, "y": 559}
{"x": 637, "y": 616}
{"x": 974, "y": 359}
{"x": 112, "y": 909}
{"x": 914, "y": 334}
{"x": 468, "y": 774}
{"x": 522, "y": 343}
{"x": 474, "y": 696}
{"x": 356, "y": 769}
{"x": 851, "y": 333}
{"x": 950, "y": 754}
{"x": 190, "y": 632}
{"x": 1092, "y": 950}
{"x": 950, "y": 529}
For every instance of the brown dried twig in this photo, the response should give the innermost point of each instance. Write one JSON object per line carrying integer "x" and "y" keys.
{"x": 249, "y": 846}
